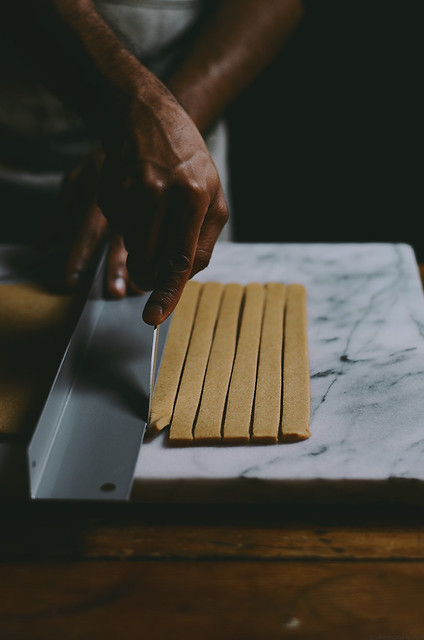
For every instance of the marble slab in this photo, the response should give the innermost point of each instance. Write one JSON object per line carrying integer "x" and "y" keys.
{"x": 366, "y": 349}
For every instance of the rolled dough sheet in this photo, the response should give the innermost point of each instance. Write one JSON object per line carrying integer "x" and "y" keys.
{"x": 35, "y": 326}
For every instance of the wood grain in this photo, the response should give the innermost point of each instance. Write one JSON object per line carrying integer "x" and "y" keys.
{"x": 191, "y": 532}
{"x": 209, "y": 600}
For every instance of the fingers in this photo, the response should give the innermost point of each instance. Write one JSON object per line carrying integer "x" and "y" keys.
{"x": 188, "y": 251}
{"x": 117, "y": 279}
{"x": 87, "y": 241}
{"x": 79, "y": 225}
{"x": 169, "y": 288}
{"x": 169, "y": 215}
{"x": 174, "y": 258}
{"x": 58, "y": 230}
{"x": 135, "y": 207}
{"x": 78, "y": 195}
{"x": 212, "y": 226}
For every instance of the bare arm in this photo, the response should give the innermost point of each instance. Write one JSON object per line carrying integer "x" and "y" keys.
{"x": 159, "y": 187}
{"x": 79, "y": 57}
{"x": 239, "y": 40}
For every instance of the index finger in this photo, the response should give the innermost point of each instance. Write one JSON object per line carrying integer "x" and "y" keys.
{"x": 174, "y": 265}
{"x": 186, "y": 254}
{"x": 165, "y": 297}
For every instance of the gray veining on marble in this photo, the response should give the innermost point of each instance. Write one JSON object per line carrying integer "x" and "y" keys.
{"x": 366, "y": 350}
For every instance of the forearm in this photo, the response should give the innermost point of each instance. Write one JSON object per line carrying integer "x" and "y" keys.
{"x": 79, "y": 57}
{"x": 158, "y": 186}
{"x": 239, "y": 40}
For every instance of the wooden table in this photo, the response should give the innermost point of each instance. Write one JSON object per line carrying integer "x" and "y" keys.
{"x": 228, "y": 572}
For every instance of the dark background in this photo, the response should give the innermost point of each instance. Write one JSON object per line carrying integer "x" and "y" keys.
{"x": 327, "y": 143}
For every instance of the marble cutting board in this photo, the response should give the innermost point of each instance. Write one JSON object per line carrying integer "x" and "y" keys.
{"x": 366, "y": 350}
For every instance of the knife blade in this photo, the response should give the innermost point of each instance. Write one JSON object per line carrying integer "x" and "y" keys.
{"x": 153, "y": 361}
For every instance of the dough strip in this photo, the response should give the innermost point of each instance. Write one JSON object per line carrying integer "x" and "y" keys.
{"x": 243, "y": 380}
{"x": 190, "y": 389}
{"x": 209, "y": 420}
{"x": 173, "y": 357}
{"x": 267, "y": 407}
{"x": 296, "y": 377}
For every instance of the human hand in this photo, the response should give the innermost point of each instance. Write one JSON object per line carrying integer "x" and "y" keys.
{"x": 160, "y": 190}
{"x": 83, "y": 227}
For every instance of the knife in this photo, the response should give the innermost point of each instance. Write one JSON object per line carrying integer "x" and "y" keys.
{"x": 153, "y": 360}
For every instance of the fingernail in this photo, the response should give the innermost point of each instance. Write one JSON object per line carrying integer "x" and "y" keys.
{"x": 153, "y": 314}
{"x": 120, "y": 285}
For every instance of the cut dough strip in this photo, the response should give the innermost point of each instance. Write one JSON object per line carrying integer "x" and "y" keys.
{"x": 296, "y": 377}
{"x": 173, "y": 357}
{"x": 235, "y": 366}
{"x": 218, "y": 373}
{"x": 190, "y": 390}
{"x": 243, "y": 380}
{"x": 267, "y": 407}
